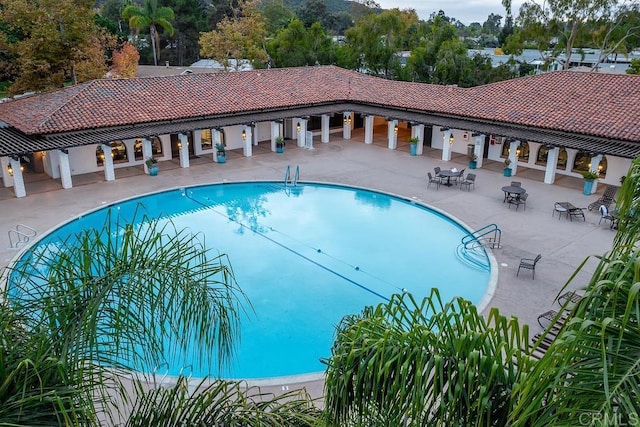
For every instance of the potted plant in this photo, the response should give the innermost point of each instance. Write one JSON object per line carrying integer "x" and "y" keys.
{"x": 152, "y": 166}
{"x": 507, "y": 170}
{"x": 279, "y": 144}
{"x": 589, "y": 177}
{"x": 221, "y": 153}
{"x": 473, "y": 161}
{"x": 413, "y": 143}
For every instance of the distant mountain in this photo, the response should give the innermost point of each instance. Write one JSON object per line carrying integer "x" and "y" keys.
{"x": 333, "y": 6}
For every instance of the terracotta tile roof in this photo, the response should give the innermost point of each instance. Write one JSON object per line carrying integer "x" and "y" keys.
{"x": 593, "y": 104}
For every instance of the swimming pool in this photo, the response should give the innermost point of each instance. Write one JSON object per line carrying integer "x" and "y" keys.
{"x": 306, "y": 256}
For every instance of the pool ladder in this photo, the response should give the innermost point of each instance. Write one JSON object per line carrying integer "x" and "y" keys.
{"x": 22, "y": 234}
{"x": 471, "y": 248}
{"x": 287, "y": 176}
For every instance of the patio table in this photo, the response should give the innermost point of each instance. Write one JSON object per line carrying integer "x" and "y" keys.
{"x": 512, "y": 192}
{"x": 449, "y": 173}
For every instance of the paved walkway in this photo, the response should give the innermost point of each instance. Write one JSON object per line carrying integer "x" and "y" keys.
{"x": 563, "y": 244}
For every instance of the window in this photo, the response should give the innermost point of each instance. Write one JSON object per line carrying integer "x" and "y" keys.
{"x": 582, "y": 162}
{"x": 562, "y": 159}
{"x": 118, "y": 153}
{"x": 523, "y": 152}
{"x": 156, "y": 148}
{"x": 206, "y": 139}
{"x": 543, "y": 154}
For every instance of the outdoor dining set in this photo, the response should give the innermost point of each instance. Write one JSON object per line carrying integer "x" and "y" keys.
{"x": 515, "y": 194}
{"x": 450, "y": 178}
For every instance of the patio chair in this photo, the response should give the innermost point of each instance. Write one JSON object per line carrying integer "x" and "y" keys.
{"x": 457, "y": 179}
{"x": 437, "y": 171}
{"x": 469, "y": 182}
{"x": 604, "y": 214}
{"x": 557, "y": 207}
{"x": 522, "y": 200}
{"x": 576, "y": 213}
{"x": 606, "y": 198}
{"x": 516, "y": 184}
{"x": 572, "y": 296}
{"x": 433, "y": 180}
{"x": 529, "y": 264}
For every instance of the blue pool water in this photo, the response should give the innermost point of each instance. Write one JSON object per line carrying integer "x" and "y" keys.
{"x": 306, "y": 257}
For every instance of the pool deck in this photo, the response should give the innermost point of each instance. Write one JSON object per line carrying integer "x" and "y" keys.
{"x": 563, "y": 244}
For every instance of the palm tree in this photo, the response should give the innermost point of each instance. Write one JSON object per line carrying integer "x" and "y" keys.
{"x": 150, "y": 16}
{"x": 404, "y": 363}
{"x": 79, "y": 312}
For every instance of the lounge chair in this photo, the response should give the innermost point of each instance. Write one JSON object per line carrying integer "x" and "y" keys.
{"x": 529, "y": 264}
{"x": 569, "y": 296}
{"x": 557, "y": 207}
{"x": 606, "y": 199}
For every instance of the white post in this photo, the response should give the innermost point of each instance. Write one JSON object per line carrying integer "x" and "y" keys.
{"x": 417, "y": 131}
{"x": 478, "y": 150}
{"x": 368, "y": 130}
{"x": 109, "y": 172}
{"x": 446, "y": 145}
{"x": 247, "y": 131}
{"x": 275, "y": 132}
{"x": 7, "y": 178}
{"x": 216, "y": 139}
{"x": 301, "y": 129}
{"x": 346, "y": 125}
{"x": 183, "y": 149}
{"x": 392, "y": 134}
{"x": 65, "y": 169}
{"x": 552, "y": 164}
{"x": 513, "y": 156}
{"x": 325, "y": 128}
{"x": 18, "y": 180}
{"x": 147, "y": 153}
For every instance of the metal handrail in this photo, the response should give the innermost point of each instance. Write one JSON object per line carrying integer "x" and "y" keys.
{"x": 296, "y": 176}
{"x": 287, "y": 175}
{"x": 23, "y": 233}
{"x": 477, "y": 235}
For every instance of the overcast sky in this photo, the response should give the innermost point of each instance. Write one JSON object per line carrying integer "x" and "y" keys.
{"x": 466, "y": 11}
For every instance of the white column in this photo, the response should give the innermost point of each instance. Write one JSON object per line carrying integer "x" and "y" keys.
{"x": 254, "y": 134}
{"x": 109, "y": 172}
{"x": 183, "y": 149}
{"x": 392, "y": 134}
{"x": 216, "y": 139}
{"x": 301, "y": 129}
{"x": 478, "y": 149}
{"x": 513, "y": 156}
{"x": 246, "y": 143}
{"x": 446, "y": 145}
{"x": 552, "y": 164}
{"x": 18, "y": 180}
{"x": 368, "y": 130}
{"x": 147, "y": 153}
{"x": 275, "y": 132}
{"x": 417, "y": 131}
{"x": 595, "y": 161}
{"x": 324, "y": 125}
{"x": 346, "y": 125}
{"x": 7, "y": 178}
{"x": 65, "y": 169}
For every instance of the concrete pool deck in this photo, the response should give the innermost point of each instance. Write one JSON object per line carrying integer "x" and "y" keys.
{"x": 563, "y": 244}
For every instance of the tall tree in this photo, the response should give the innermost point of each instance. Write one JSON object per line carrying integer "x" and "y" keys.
{"x": 238, "y": 38}
{"x": 150, "y": 16}
{"x": 556, "y": 24}
{"x": 53, "y": 41}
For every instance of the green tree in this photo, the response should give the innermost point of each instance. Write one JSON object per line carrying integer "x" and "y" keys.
{"x": 297, "y": 46}
{"x": 241, "y": 37}
{"x": 561, "y": 20}
{"x": 150, "y": 16}
{"x": 376, "y": 40}
{"x": 190, "y": 20}
{"x": 276, "y": 15}
{"x": 52, "y": 41}
{"x": 444, "y": 364}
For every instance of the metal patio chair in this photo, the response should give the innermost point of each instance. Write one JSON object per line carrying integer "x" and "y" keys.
{"x": 529, "y": 264}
